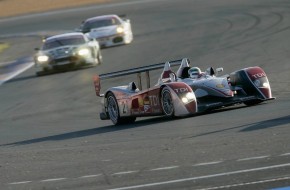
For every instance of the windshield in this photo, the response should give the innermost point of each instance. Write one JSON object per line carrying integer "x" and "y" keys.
{"x": 99, "y": 23}
{"x": 57, "y": 42}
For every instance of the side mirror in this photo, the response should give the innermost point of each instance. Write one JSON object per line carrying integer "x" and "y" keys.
{"x": 78, "y": 30}
{"x": 219, "y": 70}
{"x": 210, "y": 71}
{"x": 172, "y": 77}
{"x": 92, "y": 39}
{"x": 92, "y": 42}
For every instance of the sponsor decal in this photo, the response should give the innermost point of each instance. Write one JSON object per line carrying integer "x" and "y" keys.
{"x": 125, "y": 107}
{"x": 146, "y": 108}
{"x": 257, "y": 83}
{"x": 146, "y": 100}
{"x": 220, "y": 86}
{"x": 154, "y": 101}
{"x": 181, "y": 90}
{"x": 140, "y": 102}
{"x": 255, "y": 73}
{"x": 259, "y": 75}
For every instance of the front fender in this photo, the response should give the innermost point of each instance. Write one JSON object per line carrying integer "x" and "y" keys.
{"x": 179, "y": 92}
{"x": 254, "y": 81}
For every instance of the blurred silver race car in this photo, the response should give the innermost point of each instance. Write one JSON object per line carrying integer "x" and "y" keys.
{"x": 67, "y": 51}
{"x": 108, "y": 30}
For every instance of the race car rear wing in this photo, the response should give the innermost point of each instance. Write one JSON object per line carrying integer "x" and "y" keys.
{"x": 137, "y": 70}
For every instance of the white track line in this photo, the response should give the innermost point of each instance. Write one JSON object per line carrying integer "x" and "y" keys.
{"x": 21, "y": 182}
{"x": 164, "y": 168}
{"x": 14, "y": 74}
{"x": 90, "y": 176}
{"x": 207, "y": 163}
{"x": 286, "y": 154}
{"x": 243, "y": 184}
{"x": 55, "y": 179}
{"x": 252, "y": 158}
{"x": 202, "y": 177}
{"x": 126, "y": 172}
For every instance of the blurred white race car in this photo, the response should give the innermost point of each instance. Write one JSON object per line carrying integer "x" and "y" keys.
{"x": 108, "y": 30}
{"x": 66, "y": 51}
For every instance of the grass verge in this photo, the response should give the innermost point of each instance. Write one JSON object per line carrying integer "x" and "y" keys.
{"x": 3, "y": 46}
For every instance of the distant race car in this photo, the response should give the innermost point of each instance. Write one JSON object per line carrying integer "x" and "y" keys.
{"x": 108, "y": 30}
{"x": 67, "y": 51}
{"x": 178, "y": 94}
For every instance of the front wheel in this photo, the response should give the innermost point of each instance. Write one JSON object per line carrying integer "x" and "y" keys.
{"x": 167, "y": 103}
{"x": 99, "y": 58}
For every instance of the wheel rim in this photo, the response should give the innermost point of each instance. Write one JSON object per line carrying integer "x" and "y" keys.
{"x": 167, "y": 103}
{"x": 113, "y": 109}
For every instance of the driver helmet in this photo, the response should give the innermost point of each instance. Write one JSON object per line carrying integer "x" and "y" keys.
{"x": 194, "y": 72}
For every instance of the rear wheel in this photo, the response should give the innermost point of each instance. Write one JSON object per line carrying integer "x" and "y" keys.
{"x": 167, "y": 103}
{"x": 113, "y": 111}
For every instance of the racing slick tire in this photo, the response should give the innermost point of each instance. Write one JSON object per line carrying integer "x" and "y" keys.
{"x": 99, "y": 59}
{"x": 167, "y": 103}
{"x": 113, "y": 111}
{"x": 44, "y": 71}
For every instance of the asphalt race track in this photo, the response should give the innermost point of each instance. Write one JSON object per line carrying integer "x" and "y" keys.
{"x": 51, "y": 136}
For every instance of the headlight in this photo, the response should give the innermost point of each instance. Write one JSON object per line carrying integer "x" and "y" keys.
{"x": 83, "y": 52}
{"x": 188, "y": 97}
{"x": 265, "y": 84}
{"x": 184, "y": 100}
{"x": 42, "y": 58}
{"x": 120, "y": 29}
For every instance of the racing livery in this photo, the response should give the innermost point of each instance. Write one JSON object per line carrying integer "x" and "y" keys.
{"x": 108, "y": 30}
{"x": 122, "y": 104}
{"x": 249, "y": 86}
{"x": 180, "y": 95}
{"x": 67, "y": 51}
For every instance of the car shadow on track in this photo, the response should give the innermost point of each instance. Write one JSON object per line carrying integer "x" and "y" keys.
{"x": 267, "y": 124}
{"x": 253, "y": 126}
{"x": 150, "y": 121}
{"x": 90, "y": 132}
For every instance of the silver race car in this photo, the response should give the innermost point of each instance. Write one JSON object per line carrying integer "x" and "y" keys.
{"x": 67, "y": 51}
{"x": 108, "y": 30}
